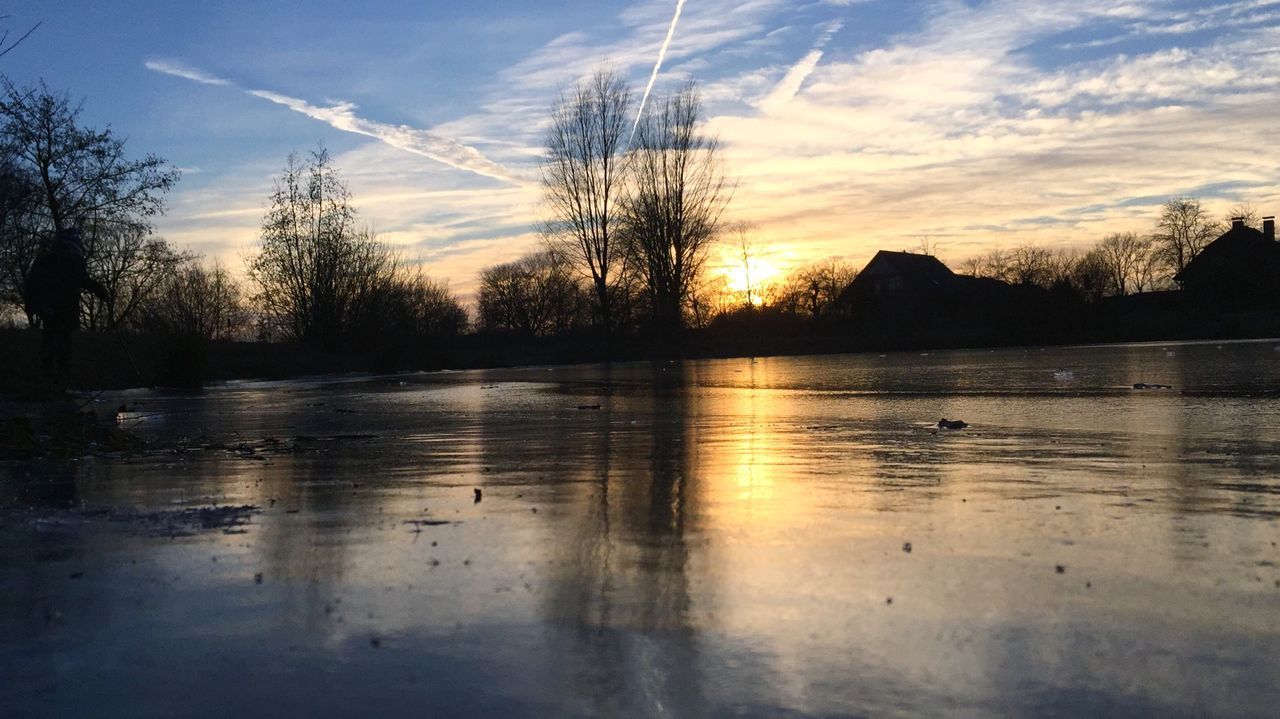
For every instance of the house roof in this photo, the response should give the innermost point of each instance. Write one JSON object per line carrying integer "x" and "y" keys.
{"x": 1240, "y": 249}
{"x": 914, "y": 268}
{"x": 922, "y": 273}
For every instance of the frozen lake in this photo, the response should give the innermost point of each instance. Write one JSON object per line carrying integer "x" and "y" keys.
{"x": 770, "y": 537}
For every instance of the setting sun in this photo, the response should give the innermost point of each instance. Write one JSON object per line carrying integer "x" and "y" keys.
{"x": 755, "y": 274}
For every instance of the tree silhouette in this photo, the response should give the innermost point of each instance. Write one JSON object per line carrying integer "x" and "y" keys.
{"x": 677, "y": 199}
{"x": 197, "y": 300}
{"x": 1184, "y": 229}
{"x": 316, "y": 271}
{"x": 584, "y": 168}
{"x": 57, "y": 174}
{"x": 80, "y": 173}
{"x": 1127, "y": 259}
{"x": 534, "y": 295}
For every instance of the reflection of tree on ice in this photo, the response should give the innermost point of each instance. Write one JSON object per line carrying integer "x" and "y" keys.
{"x": 622, "y": 598}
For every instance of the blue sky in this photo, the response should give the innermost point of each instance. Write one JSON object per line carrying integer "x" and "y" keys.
{"x": 848, "y": 125}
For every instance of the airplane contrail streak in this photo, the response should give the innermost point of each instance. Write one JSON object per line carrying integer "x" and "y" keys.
{"x": 662, "y": 54}
{"x": 342, "y": 116}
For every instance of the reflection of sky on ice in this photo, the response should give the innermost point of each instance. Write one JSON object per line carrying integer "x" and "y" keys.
{"x": 719, "y": 537}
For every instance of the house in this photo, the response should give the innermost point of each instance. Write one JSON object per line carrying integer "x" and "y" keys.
{"x": 902, "y": 299}
{"x": 1239, "y": 270}
{"x": 908, "y": 297}
{"x": 900, "y": 278}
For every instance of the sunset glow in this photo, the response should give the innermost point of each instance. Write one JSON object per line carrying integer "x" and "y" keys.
{"x": 757, "y": 274}
{"x": 846, "y": 126}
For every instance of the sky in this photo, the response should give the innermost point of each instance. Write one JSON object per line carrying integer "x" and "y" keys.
{"x": 846, "y": 126}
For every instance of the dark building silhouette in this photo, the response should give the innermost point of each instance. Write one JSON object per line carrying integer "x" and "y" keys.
{"x": 906, "y": 300}
{"x": 1239, "y": 270}
{"x": 898, "y": 288}
{"x": 909, "y": 299}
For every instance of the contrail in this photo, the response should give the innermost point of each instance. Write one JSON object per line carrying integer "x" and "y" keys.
{"x": 342, "y": 116}
{"x": 662, "y": 54}
{"x": 186, "y": 72}
{"x": 789, "y": 86}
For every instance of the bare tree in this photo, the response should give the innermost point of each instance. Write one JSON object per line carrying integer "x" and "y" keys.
{"x": 81, "y": 173}
{"x": 584, "y": 169}
{"x": 1126, "y": 258}
{"x": 709, "y": 298}
{"x": 199, "y": 301}
{"x": 133, "y": 264}
{"x": 412, "y": 306}
{"x": 58, "y": 174}
{"x": 1030, "y": 265}
{"x": 994, "y": 263}
{"x": 677, "y": 199}
{"x": 1090, "y": 276}
{"x": 811, "y": 290}
{"x": 535, "y": 295}
{"x": 316, "y": 272}
{"x": 1184, "y": 229}
{"x": 973, "y": 266}
{"x": 925, "y": 245}
{"x": 19, "y": 239}
{"x": 1245, "y": 212}
{"x": 746, "y": 250}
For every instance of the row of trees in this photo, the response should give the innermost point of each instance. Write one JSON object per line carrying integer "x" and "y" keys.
{"x": 55, "y": 173}
{"x": 540, "y": 295}
{"x": 633, "y": 207}
{"x": 319, "y": 277}
{"x": 1121, "y": 263}
{"x": 632, "y": 211}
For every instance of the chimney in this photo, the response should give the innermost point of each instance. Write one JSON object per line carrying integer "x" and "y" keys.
{"x": 1237, "y": 223}
{"x": 1269, "y": 228}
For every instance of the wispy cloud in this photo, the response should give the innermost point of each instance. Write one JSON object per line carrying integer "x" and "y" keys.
{"x": 657, "y": 66}
{"x": 186, "y": 72}
{"x": 790, "y": 83}
{"x": 966, "y": 121}
{"x": 342, "y": 116}
{"x": 956, "y": 131}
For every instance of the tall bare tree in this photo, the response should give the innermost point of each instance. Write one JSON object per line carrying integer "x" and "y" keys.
{"x": 584, "y": 168}
{"x": 746, "y": 248}
{"x": 59, "y": 174}
{"x": 81, "y": 173}
{"x": 316, "y": 271}
{"x": 678, "y": 196}
{"x": 1184, "y": 229}
{"x": 1127, "y": 259}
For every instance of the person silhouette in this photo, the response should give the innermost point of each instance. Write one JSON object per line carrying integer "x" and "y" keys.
{"x": 53, "y": 286}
